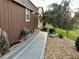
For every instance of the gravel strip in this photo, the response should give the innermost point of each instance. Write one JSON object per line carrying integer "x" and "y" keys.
{"x": 61, "y": 49}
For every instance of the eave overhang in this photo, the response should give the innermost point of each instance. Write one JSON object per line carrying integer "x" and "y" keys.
{"x": 28, "y": 4}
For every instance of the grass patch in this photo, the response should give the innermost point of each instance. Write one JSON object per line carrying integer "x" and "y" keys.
{"x": 71, "y": 35}
{"x": 63, "y": 32}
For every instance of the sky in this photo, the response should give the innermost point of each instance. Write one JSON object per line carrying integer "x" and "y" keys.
{"x": 40, "y": 3}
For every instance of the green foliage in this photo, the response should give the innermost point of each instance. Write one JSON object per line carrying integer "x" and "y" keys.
{"x": 77, "y": 44}
{"x": 70, "y": 36}
{"x": 67, "y": 25}
{"x": 44, "y": 17}
{"x": 59, "y": 16}
{"x": 51, "y": 31}
{"x": 44, "y": 29}
{"x": 44, "y": 24}
{"x": 60, "y": 36}
{"x": 72, "y": 33}
{"x": 76, "y": 17}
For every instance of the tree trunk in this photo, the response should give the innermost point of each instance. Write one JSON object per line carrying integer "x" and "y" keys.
{"x": 44, "y": 24}
{"x": 54, "y": 29}
{"x": 67, "y": 33}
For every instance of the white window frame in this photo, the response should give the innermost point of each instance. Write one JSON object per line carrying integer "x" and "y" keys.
{"x": 27, "y": 15}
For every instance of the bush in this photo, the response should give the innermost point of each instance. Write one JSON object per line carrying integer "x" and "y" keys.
{"x": 51, "y": 31}
{"x": 77, "y": 44}
{"x": 60, "y": 36}
{"x": 44, "y": 24}
{"x": 44, "y": 29}
{"x": 24, "y": 33}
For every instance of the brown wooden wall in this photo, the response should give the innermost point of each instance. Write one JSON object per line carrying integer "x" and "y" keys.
{"x": 33, "y": 23}
{"x": 12, "y": 18}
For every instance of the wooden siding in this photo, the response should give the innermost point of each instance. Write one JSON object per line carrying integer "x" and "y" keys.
{"x": 12, "y": 18}
{"x": 33, "y": 23}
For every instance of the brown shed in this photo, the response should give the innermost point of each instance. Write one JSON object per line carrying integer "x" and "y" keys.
{"x": 12, "y": 17}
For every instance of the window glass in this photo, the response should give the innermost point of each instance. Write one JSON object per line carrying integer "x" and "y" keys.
{"x": 27, "y": 15}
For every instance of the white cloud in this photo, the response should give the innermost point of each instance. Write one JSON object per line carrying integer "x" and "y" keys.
{"x": 74, "y": 4}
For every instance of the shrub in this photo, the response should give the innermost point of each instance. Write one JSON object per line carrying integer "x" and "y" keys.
{"x": 24, "y": 33}
{"x": 60, "y": 36}
{"x": 44, "y": 24}
{"x": 51, "y": 31}
{"x": 44, "y": 29}
{"x": 77, "y": 44}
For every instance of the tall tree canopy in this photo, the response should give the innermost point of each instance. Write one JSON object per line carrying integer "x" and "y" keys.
{"x": 59, "y": 16}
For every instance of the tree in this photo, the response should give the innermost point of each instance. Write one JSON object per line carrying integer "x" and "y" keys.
{"x": 68, "y": 25}
{"x": 44, "y": 19}
{"x": 68, "y": 22}
{"x": 55, "y": 14}
{"x": 76, "y": 17}
{"x": 59, "y": 15}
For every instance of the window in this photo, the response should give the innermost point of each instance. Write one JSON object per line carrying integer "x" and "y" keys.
{"x": 27, "y": 15}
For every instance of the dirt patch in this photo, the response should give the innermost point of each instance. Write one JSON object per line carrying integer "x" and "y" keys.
{"x": 61, "y": 49}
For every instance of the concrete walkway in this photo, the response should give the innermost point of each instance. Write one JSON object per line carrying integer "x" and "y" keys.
{"x": 33, "y": 50}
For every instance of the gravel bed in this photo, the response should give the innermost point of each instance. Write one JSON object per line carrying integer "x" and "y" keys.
{"x": 60, "y": 49}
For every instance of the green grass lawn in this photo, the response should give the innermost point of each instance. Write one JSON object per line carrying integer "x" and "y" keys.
{"x": 71, "y": 35}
